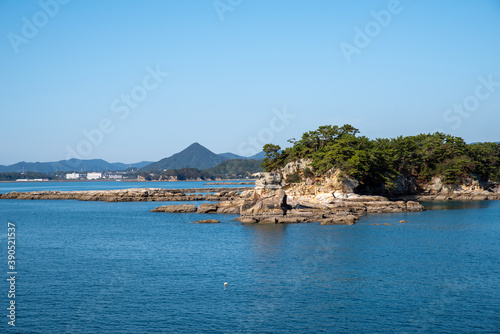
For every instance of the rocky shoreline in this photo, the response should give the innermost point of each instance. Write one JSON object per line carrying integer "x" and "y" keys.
{"x": 460, "y": 196}
{"x": 253, "y": 205}
{"x": 269, "y": 202}
{"x": 275, "y": 207}
{"x": 132, "y": 195}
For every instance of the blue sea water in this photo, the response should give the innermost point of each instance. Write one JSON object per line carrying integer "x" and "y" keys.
{"x": 6, "y": 187}
{"x": 96, "y": 267}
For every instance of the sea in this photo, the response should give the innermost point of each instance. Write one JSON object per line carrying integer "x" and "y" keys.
{"x": 97, "y": 267}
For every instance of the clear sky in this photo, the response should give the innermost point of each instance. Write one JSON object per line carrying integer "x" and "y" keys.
{"x": 88, "y": 79}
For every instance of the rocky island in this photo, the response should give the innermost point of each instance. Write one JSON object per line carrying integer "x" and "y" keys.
{"x": 333, "y": 176}
{"x": 271, "y": 202}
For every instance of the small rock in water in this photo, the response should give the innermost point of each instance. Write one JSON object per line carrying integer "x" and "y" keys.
{"x": 206, "y": 221}
{"x": 403, "y": 221}
{"x": 387, "y": 224}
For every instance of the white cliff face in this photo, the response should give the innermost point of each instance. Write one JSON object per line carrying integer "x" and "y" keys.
{"x": 468, "y": 185}
{"x": 268, "y": 181}
{"x": 334, "y": 180}
{"x": 296, "y": 166}
{"x": 328, "y": 187}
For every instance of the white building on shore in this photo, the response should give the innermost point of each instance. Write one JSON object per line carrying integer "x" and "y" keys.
{"x": 72, "y": 176}
{"x": 94, "y": 176}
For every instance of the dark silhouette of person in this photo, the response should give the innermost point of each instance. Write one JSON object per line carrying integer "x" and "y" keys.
{"x": 284, "y": 206}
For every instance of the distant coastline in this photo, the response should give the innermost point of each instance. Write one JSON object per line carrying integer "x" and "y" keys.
{"x": 229, "y": 181}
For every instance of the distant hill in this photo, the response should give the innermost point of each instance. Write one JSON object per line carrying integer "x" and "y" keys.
{"x": 236, "y": 167}
{"x": 259, "y": 156}
{"x": 230, "y": 155}
{"x": 194, "y": 156}
{"x": 92, "y": 165}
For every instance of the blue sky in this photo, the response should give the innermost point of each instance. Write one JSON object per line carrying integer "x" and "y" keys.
{"x": 88, "y": 79}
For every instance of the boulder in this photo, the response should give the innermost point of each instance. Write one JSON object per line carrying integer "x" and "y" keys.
{"x": 412, "y": 206}
{"x": 340, "y": 220}
{"x": 206, "y": 221}
{"x": 206, "y": 208}
{"x": 232, "y": 207}
{"x": 183, "y": 208}
{"x": 288, "y": 220}
{"x": 247, "y": 220}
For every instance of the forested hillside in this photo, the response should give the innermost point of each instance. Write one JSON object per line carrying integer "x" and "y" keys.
{"x": 377, "y": 163}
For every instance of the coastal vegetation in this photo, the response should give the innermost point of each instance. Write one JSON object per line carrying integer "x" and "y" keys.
{"x": 28, "y": 175}
{"x": 377, "y": 163}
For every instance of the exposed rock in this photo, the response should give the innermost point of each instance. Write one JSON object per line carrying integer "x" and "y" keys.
{"x": 229, "y": 207}
{"x": 330, "y": 186}
{"x": 266, "y": 206}
{"x": 247, "y": 193}
{"x": 336, "y": 181}
{"x": 468, "y": 187}
{"x": 298, "y": 166}
{"x": 288, "y": 220}
{"x": 206, "y": 208}
{"x": 403, "y": 221}
{"x": 183, "y": 208}
{"x": 457, "y": 196}
{"x": 347, "y": 219}
{"x": 412, "y": 206}
{"x": 130, "y": 195}
{"x": 267, "y": 180}
{"x": 206, "y": 221}
{"x": 359, "y": 198}
{"x": 211, "y": 197}
{"x": 247, "y": 220}
{"x": 385, "y": 206}
{"x": 268, "y": 220}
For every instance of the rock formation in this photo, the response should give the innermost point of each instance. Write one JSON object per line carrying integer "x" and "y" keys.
{"x": 328, "y": 199}
{"x": 268, "y": 181}
{"x": 183, "y": 208}
{"x": 265, "y": 206}
{"x": 132, "y": 195}
{"x": 206, "y": 221}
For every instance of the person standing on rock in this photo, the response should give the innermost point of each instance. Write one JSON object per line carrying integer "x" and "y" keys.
{"x": 284, "y": 206}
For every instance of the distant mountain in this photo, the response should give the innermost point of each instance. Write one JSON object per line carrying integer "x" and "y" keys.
{"x": 259, "y": 156}
{"x": 194, "y": 156}
{"x": 92, "y": 165}
{"x": 236, "y": 167}
{"x": 230, "y": 155}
